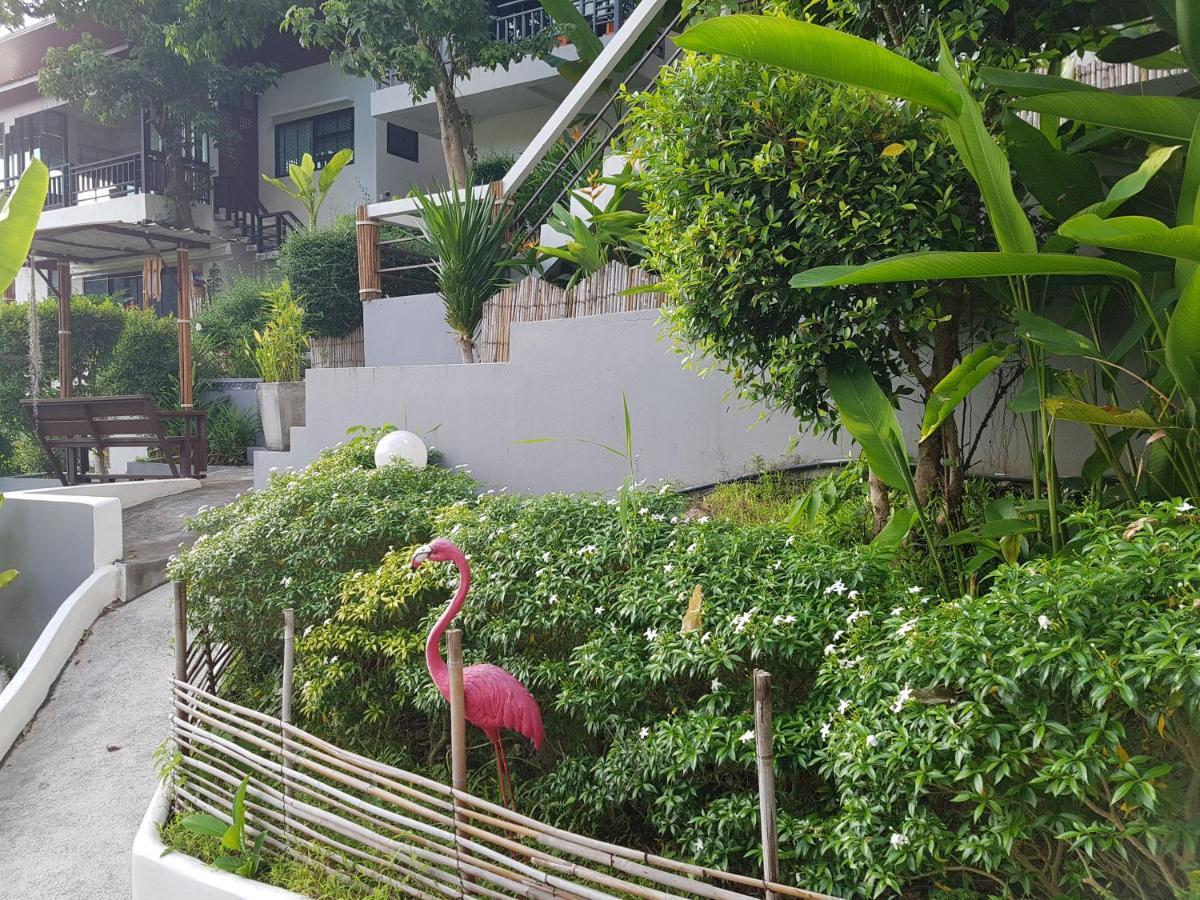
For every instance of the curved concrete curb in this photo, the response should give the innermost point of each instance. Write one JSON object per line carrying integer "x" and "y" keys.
{"x": 181, "y": 877}
{"x": 24, "y": 695}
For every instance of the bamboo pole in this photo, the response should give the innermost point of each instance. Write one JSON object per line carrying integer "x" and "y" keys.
{"x": 285, "y": 714}
{"x": 184, "y": 317}
{"x": 181, "y": 643}
{"x": 367, "y": 233}
{"x": 764, "y": 743}
{"x": 65, "y": 377}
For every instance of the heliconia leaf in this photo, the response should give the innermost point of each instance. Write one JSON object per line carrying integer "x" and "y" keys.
{"x": 892, "y": 535}
{"x": 932, "y": 266}
{"x": 1182, "y": 344}
{"x": 1054, "y": 337}
{"x": 868, "y": 415}
{"x": 1169, "y": 118}
{"x": 1061, "y": 182}
{"x": 821, "y": 52}
{"x": 1130, "y": 49}
{"x": 1189, "y": 200}
{"x": 18, "y": 219}
{"x": 1106, "y": 416}
{"x": 990, "y": 532}
{"x": 1187, "y": 29}
{"x": 964, "y": 378}
{"x": 987, "y": 163}
{"x": 203, "y": 823}
{"x": 1132, "y": 184}
{"x": 579, "y": 31}
{"x": 1030, "y": 84}
{"x": 1137, "y": 233}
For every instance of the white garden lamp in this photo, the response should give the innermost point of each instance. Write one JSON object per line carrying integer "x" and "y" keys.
{"x": 397, "y": 446}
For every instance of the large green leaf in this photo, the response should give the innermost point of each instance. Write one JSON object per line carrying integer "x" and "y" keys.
{"x": 1062, "y": 182}
{"x": 8, "y": 576}
{"x": 1183, "y": 340}
{"x": 1107, "y": 416}
{"x": 579, "y": 31}
{"x": 986, "y": 162}
{"x": 930, "y": 266}
{"x": 867, "y": 414}
{"x": 203, "y": 823}
{"x": 19, "y": 218}
{"x": 339, "y": 161}
{"x": 892, "y": 535}
{"x": 1132, "y": 184}
{"x": 1137, "y": 233}
{"x": 822, "y": 52}
{"x": 964, "y": 378}
{"x": 1030, "y": 84}
{"x": 1054, "y": 337}
{"x": 1187, "y": 28}
{"x": 1169, "y": 118}
{"x": 1189, "y": 193}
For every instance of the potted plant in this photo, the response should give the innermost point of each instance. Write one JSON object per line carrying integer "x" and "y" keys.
{"x": 279, "y": 353}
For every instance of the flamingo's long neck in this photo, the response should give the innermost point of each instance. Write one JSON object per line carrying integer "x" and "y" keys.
{"x": 438, "y": 670}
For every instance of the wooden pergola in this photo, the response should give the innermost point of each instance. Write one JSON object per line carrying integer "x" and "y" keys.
{"x": 55, "y": 250}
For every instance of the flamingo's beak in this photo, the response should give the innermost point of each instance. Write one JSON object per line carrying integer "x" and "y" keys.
{"x": 421, "y": 556}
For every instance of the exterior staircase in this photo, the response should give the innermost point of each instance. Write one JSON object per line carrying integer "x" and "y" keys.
{"x": 238, "y": 208}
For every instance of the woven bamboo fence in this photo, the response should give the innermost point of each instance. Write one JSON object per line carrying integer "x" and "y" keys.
{"x": 357, "y": 818}
{"x": 535, "y": 300}
{"x": 345, "y": 351}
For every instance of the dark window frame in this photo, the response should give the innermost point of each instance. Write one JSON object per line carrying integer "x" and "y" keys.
{"x": 398, "y": 133}
{"x": 305, "y": 136}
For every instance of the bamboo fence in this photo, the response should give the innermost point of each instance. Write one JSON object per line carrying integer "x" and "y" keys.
{"x": 345, "y": 351}
{"x": 358, "y": 818}
{"x": 535, "y": 300}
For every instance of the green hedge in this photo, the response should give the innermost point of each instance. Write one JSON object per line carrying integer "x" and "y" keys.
{"x": 229, "y": 320}
{"x": 322, "y": 267}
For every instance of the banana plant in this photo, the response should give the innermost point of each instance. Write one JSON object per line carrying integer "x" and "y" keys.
{"x": 308, "y": 188}
{"x": 245, "y": 854}
{"x": 20, "y": 210}
{"x": 825, "y": 53}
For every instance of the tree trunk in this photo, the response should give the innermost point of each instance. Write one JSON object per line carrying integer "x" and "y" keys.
{"x": 175, "y": 185}
{"x": 881, "y": 507}
{"x": 466, "y": 347}
{"x": 455, "y": 130}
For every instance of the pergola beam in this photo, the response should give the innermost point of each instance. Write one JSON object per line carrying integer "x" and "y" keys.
{"x": 64, "y": 329}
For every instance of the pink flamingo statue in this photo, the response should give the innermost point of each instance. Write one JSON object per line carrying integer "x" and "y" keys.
{"x": 494, "y": 699}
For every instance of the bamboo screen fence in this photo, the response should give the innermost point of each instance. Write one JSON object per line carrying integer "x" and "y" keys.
{"x": 355, "y": 817}
{"x": 535, "y": 300}
{"x": 342, "y": 352}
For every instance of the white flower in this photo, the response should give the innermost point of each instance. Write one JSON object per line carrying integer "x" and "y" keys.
{"x": 838, "y": 635}
{"x": 599, "y": 610}
{"x": 546, "y": 556}
{"x": 651, "y": 633}
{"x": 784, "y": 620}
{"x": 643, "y": 511}
{"x": 692, "y": 547}
{"x": 658, "y": 517}
{"x": 669, "y": 568}
{"x": 704, "y": 637}
{"x": 903, "y": 697}
{"x": 307, "y": 631}
{"x": 703, "y": 520}
{"x": 843, "y": 705}
{"x": 906, "y": 628}
{"x": 851, "y": 663}
{"x": 1043, "y": 622}
{"x": 332, "y": 660}
{"x": 1184, "y": 507}
{"x": 747, "y": 736}
{"x": 853, "y": 595}
{"x": 716, "y": 684}
{"x": 898, "y": 840}
{"x": 644, "y": 733}
{"x": 914, "y": 589}
{"x": 698, "y": 845}
{"x": 553, "y": 599}
{"x": 589, "y": 550}
{"x": 855, "y": 615}
{"x": 825, "y": 731}
{"x": 836, "y": 588}
{"x": 286, "y": 581}
{"x": 778, "y": 565}
{"x": 872, "y": 740}
{"x": 830, "y": 649}
{"x": 897, "y": 610}
{"x": 741, "y": 621}
{"x": 791, "y": 540}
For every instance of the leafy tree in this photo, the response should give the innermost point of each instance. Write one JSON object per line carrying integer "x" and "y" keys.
{"x": 429, "y": 44}
{"x": 181, "y": 62}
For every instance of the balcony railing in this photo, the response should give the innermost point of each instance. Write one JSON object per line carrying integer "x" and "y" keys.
{"x": 516, "y": 20}
{"x": 81, "y": 184}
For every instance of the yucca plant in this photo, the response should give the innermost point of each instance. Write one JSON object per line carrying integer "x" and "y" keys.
{"x": 279, "y": 348}
{"x": 468, "y": 232}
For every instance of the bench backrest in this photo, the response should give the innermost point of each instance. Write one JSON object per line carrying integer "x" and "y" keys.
{"x": 96, "y": 418}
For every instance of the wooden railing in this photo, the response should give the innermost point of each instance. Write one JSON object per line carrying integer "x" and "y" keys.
{"x": 81, "y": 184}
{"x": 241, "y": 209}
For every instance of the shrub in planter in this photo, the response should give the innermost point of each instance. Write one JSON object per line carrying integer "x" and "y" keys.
{"x": 230, "y": 431}
{"x": 292, "y": 543}
{"x": 322, "y": 266}
{"x": 1040, "y": 740}
{"x": 230, "y": 319}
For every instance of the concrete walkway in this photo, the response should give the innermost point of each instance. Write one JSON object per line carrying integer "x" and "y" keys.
{"x": 75, "y": 786}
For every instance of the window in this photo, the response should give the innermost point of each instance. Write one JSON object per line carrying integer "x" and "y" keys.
{"x": 322, "y": 136}
{"x": 125, "y": 287}
{"x": 402, "y": 142}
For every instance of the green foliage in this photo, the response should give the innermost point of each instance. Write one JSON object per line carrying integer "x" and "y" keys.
{"x": 748, "y": 178}
{"x": 492, "y": 166}
{"x": 20, "y": 210}
{"x": 308, "y": 188}
{"x": 145, "y": 357}
{"x": 230, "y": 431}
{"x": 468, "y": 234}
{"x": 280, "y": 347}
{"x": 322, "y": 267}
{"x": 292, "y": 543}
{"x": 244, "y": 855}
{"x": 230, "y": 318}
{"x": 1039, "y": 738}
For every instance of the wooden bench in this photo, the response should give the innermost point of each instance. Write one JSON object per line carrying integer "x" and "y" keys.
{"x": 74, "y": 427}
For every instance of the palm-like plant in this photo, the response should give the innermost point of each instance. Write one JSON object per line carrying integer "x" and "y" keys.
{"x": 468, "y": 232}
{"x": 307, "y": 187}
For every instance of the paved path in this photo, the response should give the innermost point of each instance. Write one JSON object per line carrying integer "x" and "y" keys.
{"x": 75, "y": 787}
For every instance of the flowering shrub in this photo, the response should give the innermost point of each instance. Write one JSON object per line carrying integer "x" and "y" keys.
{"x": 292, "y": 543}
{"x": 1042, "y": 739}
{"x": 646, "y": 719}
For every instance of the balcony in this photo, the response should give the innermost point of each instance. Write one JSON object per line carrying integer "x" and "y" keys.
{"x": 83, "y": 184}
{"x": 516, "y": 20}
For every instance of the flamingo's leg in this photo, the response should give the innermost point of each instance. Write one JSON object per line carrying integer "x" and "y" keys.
{"x": 498, "y": 748}
{"x": 511, "y": 803}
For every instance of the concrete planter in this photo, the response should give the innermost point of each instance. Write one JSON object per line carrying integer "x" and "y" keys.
{"x": 280, "y": 409}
